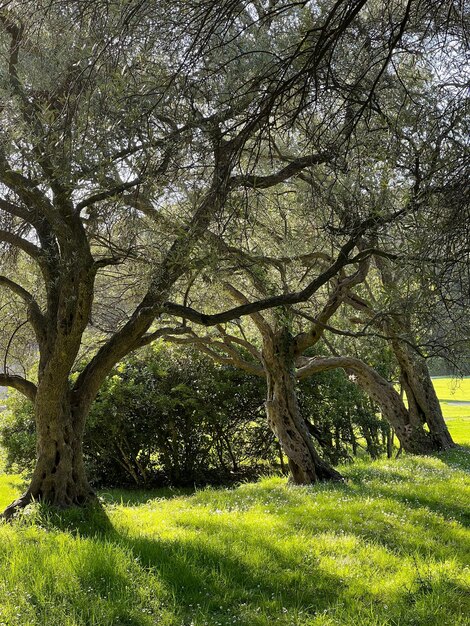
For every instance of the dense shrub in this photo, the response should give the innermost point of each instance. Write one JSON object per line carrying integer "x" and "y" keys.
{"x": 17, "y": 434}
{"x": 178, "y": 418}
{"x": 168, "y": 416}
{"x": 343, "y": 420}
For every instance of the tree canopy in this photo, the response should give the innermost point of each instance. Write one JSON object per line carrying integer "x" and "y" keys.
{"x": 142, "y": 141}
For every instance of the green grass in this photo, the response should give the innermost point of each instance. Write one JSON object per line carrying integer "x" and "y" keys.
{"x": 452, "y": 390}
{"x": 457, "y": 416}
{"x": 389, "y": 547}
{"x": 459, "y": 428}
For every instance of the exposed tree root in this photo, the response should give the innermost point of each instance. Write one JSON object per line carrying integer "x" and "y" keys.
{"x": 26, "y": 498}
{"x": 19, "y": 504}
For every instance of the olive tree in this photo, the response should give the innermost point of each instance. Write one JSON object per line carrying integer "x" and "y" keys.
{"x": 126, "y": 130}
{"x": 116, "y": 156}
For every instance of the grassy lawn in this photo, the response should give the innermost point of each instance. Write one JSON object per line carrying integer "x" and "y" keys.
{"x": 458, "y": 423}
{"x": 457, "y": 416}
{"x": 452, "y": 390}
{"x": 389, "y": 547}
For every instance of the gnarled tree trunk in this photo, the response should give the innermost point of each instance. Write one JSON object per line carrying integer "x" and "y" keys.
{"x": 410, "y": 432}
{"x": 423, "y": 404}
{"x": 284, "y": 416}
{"x": 59, "y": 476}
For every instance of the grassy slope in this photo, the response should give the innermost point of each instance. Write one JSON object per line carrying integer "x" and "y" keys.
{"x": 389, "y": 547}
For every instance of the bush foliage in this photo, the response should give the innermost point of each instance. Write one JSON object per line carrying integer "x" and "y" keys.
{"x": 168, "y": 416}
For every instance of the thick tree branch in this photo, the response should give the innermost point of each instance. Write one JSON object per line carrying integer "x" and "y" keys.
{"x": 23, "y": 244}
{"x": 166, "y": 332}
{"x": 366, "y": 377}
{"x": 35, "y": 315}
{"x": 210, "y": 346}
{"x": 294, "y": 167}
{"x": 16, "y": 288}
{"x": 172, "y": 267}
{"x": 256, "y": 316}
{"x": 27, "y": 191}
{"x": 24, "y": 386}
{"x": 323, "y": 364}
{"x": 241, "y": 342}
{"x": 308, "y": 339}
{"x": 251, "y": 308}
{"x": 17, "y": 211}
{"x": 108, "y": 193}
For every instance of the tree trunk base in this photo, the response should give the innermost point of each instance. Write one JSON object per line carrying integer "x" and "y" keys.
{"x": 323, "y": 473}
{"x": 79, "y": 500}
{"x": 16, "y": 506}
{"x": 443, "y": 441}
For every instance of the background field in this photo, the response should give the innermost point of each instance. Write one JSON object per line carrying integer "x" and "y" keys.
{"x": 451, "y": 390}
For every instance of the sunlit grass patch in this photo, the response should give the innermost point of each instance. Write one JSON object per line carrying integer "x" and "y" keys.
{"x": 457, "y": 410}
{"x": 452, "y": 389}
{"x": 50, "y": 577}
{"x": 390, "y": 547}
{"x": 10, "y": 487}
{"x": 459, "y": 428}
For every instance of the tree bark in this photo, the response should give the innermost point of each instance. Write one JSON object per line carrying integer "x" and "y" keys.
{"x": 390, "y": 436}
{"x": 423, "y": 404}
{"x": 59, "y": 477}
{"x": 412, "y": 436}
{"x": 284, "y": 416}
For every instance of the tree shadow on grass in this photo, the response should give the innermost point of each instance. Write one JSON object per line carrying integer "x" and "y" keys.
{"x": 418, "y": 496}
{"x": 89, "y": 521}
{"x": 137, "y": 497}
{"x": 449, "y": 511}
{"x": 456, "y": 458}
{"x": 217, "y": 575}
{"x": 215, "y": 583}
{"x": 212, "y": 572}
{"x": 211, "y": 581}
{"x": 208, "y": 577}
